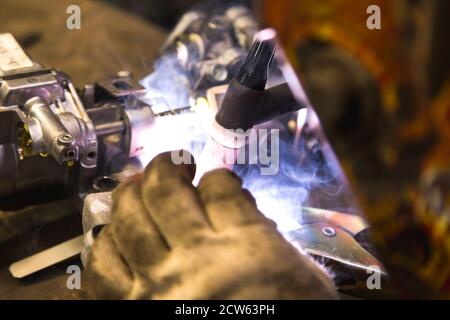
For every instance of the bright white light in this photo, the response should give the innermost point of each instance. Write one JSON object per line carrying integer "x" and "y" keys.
{"x": 276, "y": 210}
{"x": 186, "y": 131}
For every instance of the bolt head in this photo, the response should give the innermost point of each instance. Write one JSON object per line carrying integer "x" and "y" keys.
{"x": 329, "y": 231}
{"x": 66, "y": 138}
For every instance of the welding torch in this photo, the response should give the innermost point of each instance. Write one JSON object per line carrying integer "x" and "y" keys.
{"x": 247, "y": 103}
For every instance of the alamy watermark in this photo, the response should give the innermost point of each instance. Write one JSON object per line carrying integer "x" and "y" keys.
{"x": 373, "y": 22}
{"x": 253, "y": 146}
{"x": 373, "y": 282}
{"x": 74, "y": 280}
{"x": 73, "y": 21}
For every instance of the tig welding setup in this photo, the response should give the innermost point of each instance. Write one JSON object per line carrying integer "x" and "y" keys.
{"x": 266, "y": 150}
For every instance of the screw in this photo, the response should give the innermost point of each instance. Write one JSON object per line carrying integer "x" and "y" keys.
{"x": 66, "y": 138}
{"x": 329, "y": 231}
{"x": 69, "y": 154}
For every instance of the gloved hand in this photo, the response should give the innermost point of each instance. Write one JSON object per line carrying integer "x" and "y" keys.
{"x": 170, "y": 240}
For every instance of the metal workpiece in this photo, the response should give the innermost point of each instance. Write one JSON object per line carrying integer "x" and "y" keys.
{"x": 122, "y": 113}
{"x": 85, "y": 138}
{"x": 43, "y": 118}
{"x": 334, "y": 239}
{"x": 118, "y": 111}
{"x": 338, "y": 250}
{"x": 53, "y": 136}
{"x": 96, "y": 213}
{"x": 121, "y": 85}
{"x": 109, "y": 128}
{"x": 97, "y": 206}
{"x": 138, "y": 123}
{"x": 96, "y": 210}
{"x": 40, "y": 100}
{"x": 18, "y": 173}
{"x": 17, "y": 88}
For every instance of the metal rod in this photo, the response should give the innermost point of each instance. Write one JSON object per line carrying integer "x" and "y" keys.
{"x": 110, "y": 128}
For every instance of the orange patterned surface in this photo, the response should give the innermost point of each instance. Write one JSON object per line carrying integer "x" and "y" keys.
{"x": 343, "y": 23}
{"x": 410, "y": 231}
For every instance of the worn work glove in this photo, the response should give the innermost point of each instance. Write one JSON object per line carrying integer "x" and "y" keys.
{"x": 170, "y": 240}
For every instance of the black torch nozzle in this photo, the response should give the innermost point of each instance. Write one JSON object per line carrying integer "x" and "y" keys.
{"x": 254, "y": 70}
{"x": 247, "y": 102}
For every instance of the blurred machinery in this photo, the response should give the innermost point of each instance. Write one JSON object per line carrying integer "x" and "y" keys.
{"x": 49, "y": 136}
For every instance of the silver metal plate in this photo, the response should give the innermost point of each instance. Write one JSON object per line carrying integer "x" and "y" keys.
{"x": 47, "y": 258}
{"x": 12, "y": 57}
